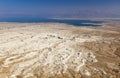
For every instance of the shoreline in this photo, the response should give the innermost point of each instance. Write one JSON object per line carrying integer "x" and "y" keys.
{"x": 68, "y": 21}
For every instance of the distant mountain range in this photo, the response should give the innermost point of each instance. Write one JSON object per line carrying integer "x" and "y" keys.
{"x": 88, "y": 14}
{"x": 66, "y": 14}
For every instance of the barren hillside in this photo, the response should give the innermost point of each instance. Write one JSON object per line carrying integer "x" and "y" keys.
{"x": 51, "y": 50}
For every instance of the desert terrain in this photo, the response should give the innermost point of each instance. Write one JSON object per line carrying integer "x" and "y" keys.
{"x": 53, "y": 50}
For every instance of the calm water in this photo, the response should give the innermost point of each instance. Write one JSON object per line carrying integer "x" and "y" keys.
{"x": 43, "y": 20}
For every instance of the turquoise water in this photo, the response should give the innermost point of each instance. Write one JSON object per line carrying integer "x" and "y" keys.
{"x": 44, "y": 20}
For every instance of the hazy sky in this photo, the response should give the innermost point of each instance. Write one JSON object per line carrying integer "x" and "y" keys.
{"x": 59, "y": 8}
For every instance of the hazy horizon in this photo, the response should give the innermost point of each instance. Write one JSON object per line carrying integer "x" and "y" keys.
{"x": 60, "y": 8}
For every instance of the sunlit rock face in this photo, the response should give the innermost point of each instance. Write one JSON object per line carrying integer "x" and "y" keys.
{"x": 59, "y": 51}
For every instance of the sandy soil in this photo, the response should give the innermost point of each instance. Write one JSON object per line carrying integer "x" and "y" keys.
{"x": 51, "y": 50}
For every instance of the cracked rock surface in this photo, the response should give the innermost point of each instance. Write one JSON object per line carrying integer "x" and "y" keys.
{"x": 51, "y": 50}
